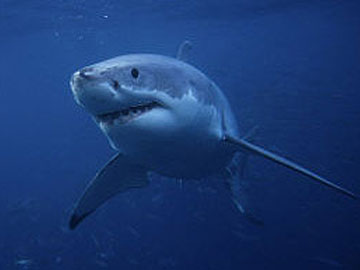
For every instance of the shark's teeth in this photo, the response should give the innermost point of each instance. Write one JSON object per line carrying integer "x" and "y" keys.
{"x": 127, "y": 114}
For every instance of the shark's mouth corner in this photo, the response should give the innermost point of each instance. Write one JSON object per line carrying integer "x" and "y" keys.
{"x": 127, "y": 114}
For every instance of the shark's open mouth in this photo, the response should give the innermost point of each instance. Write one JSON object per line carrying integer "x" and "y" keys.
{"x": 128, "y": 114}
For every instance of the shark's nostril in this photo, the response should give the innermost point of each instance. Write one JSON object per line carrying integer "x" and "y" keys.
{"x": 115, "y": 84}
{"x": 87, "y": 73}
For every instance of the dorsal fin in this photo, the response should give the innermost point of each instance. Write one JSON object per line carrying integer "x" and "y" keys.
{"x": 183, "y": 50}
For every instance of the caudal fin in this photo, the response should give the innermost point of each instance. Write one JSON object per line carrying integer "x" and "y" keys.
{"x": 243, "y": 145}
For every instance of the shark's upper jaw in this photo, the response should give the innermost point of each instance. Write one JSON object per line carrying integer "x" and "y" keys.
{"x": 109, "y": 104}
{"x": 127, "y": 114}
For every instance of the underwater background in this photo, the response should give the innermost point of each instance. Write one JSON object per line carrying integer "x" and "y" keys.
{"x": 290, "y": 68}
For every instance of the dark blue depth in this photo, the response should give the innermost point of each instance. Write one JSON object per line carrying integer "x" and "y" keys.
{"x": 292, "y": 68}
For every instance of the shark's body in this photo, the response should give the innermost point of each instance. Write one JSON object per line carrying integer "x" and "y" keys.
{"x": 163, "y": 115}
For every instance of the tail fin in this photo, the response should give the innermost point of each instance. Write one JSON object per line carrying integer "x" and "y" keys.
{"x": 243, "y": 145}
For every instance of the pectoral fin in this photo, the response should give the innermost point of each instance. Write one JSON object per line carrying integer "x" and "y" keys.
{"x": 245, "y": 146}
{"x": 234, "y": 181}
{"x": 116, "y": 176}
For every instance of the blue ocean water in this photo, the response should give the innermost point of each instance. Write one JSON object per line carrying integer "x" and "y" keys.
{"x": 291, "y": 68}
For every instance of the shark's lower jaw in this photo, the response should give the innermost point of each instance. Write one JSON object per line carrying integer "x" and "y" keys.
{"x": 126, "y": 115}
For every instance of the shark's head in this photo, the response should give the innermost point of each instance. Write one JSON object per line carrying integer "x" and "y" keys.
{"x": 117, "y": 89}
{"x": 142, "y": 94}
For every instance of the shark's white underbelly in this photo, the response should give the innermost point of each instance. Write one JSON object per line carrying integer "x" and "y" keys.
{"x": 190, "y": 150}
{"x": 192, "y": 157}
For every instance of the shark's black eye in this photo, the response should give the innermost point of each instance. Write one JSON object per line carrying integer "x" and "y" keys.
{"x": 134, "y": 73}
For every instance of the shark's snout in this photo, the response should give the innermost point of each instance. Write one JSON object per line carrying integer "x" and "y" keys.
{"x": 87, "y": 73}
{"x": 74, "y": 83}
{"x": 82, "y": 77}
{"x": 92, "y": 91}
{"x": 77, "y": 84}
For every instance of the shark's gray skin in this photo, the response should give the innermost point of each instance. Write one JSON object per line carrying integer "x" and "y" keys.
{"x": 163, "y": 115}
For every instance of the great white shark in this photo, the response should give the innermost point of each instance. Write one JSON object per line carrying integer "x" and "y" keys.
{"x": 160, "y": 114}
